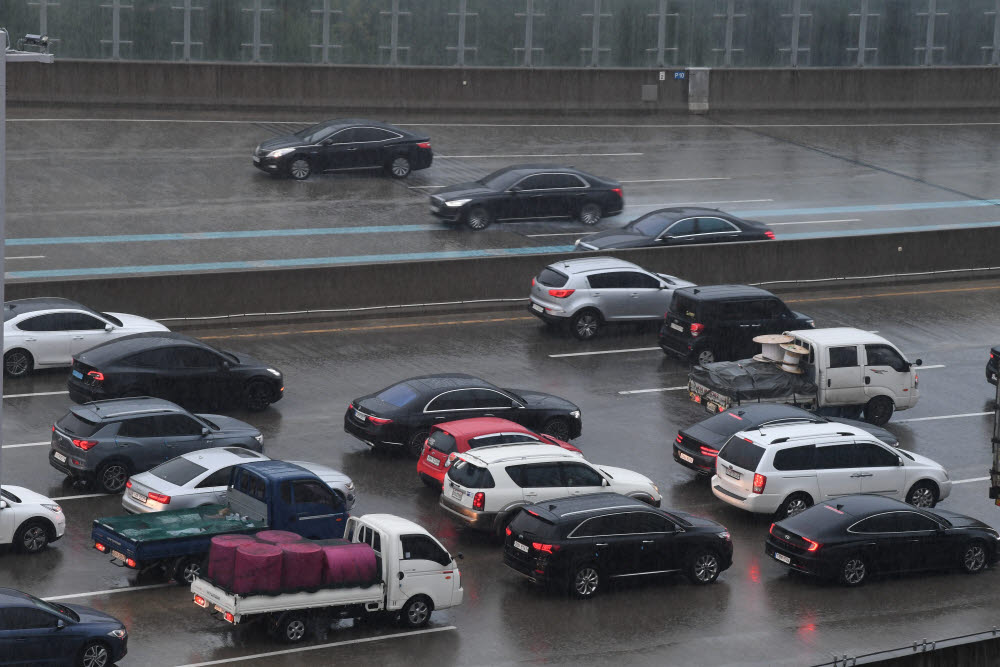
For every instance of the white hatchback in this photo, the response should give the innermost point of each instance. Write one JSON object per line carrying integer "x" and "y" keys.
{"x": 28, "y": 520}
{"x": 785, "y": 469}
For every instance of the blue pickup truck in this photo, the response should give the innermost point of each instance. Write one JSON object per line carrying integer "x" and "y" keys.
{"x": 262, "y": 495}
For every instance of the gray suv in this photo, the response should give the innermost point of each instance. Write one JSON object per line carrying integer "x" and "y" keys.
{"x": 106, "y": 441}
{"x": 585, "y": 294}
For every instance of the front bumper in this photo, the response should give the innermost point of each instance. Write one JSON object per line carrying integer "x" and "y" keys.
{"x": 466, "y": 516}
{"x": 703, "y": 465}
{"x": 448, "y": 213}
{"x": 269, "y": 165}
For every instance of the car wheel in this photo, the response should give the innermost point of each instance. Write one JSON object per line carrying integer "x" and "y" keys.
{"x": 111, "y": 477}
{"x": 703, "y": 566}
{"x": 299, "y": 168}
{"x": 416, "y": 443}
{"x": 795, "y": 503}
{"x": 399, "y": 167}
{"x": 558, "y": 428}
{"x": 702, "y": 356}
{"x": 17, "y": 363}
{"x": 585, "y": 324}
{"x": 94, "y": 654}
{"x": 590, "y": 214}
{"x": 291, "y": 628}
{"x": 853, "y": 571}
{"x": 879, "y": 410}
{"x": 922, "y": 494}
{"x": 974, "y": 558}
{"x": 188, "y": 569}
{"x": 257, "y": 396}
{"x": 586, "y": 581}
{"x": 478, "y": 218}
{"x": 31, "y": 537}
{"x": 416, "y": 612}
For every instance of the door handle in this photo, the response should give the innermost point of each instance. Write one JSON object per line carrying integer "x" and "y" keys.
{"x": 77, "y": 337}
{"x": 868, "y": 379}
{"x": 601, "y": 544}
{"x": 352, "y": 149}
{"x": 634, "y": 295}
{"x": 647, "y": 541}
{"x": 30, "y": 340}
{"x": 828, "y": 382}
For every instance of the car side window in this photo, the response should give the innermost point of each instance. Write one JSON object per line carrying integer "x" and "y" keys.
{"x": 870, "y": 455}
{"x": 535, "y": 182}
{"x": 47, "y": 322}
{"x": 829, "y": 457}
{"x": 601, "y": 280}
{"x": 647, "y": 522}
{"x": 373, "y": 134}
{"x": 844, "y": 357}
{"x": 345, "y": 136}
{"x": 83, "y": 322}
{"x": 315, "y": 493}
{"x": 140, "y": 427}
{"x": 538, "y": 475}
{"x": 883, "y": 355}
{"x": 488, "y": 398}
{"x": 177, "y": 425}
{"x": 796, "y": 458}
{"x": 684, "y": 227}
{"x": 421, "y": 547}
{"x": 459, "y": 399}
{"x": 715, "y": 226}
{"x": 880, "y": 523}
{"x": 191, "y": 357}
{"x": 286, "y": 493}
{"x": 578, "y": 474}
{"x": 735, "y": 310}
{"x": 26, "y": 618}
{"x": 911, "y": 522}
{"x": 221, "y": 478}
{"x": 597, "y": 526}
{"x": 640, "y": 280}
{"x": 565, "y": 181}
{"x": 773, "y": 308}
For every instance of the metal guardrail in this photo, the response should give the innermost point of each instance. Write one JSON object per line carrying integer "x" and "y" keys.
{"x": 922, "y": 646}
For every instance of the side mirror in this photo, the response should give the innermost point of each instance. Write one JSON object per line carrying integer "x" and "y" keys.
{"x": 224, "y": 366}
{"x": 60, "y": 624}
{"x": 918, "y": 362}
{"x": 401, "y": 575}
{"x": 514, "y": 189}
{"x": 605, "y": 482}
{"x": 3, "y": 505}
{"x": 205, "y": 430}
{"x": 109, "y": 327}
{"x": 899, "y": 459}
{"x": 460, "y": 556}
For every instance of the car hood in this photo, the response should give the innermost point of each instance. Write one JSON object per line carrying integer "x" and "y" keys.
{"x": 287, "y": 141}
{"x": 541, "y": 400}
{"x": 617, "y": 238}
{"x": 246, "y": 361}
{"x": 621, "y": 476}
{"x": 697, "y": 520}
{"x": 327, "y": 474}
{"x": 138, "y": 323}
{"x": 882, "y": 434}
{"x": 921, "y": 460}
{"x": 88, "y": 615}
{"x": 960, "y": 520}
{"x": 463, "y": 191}
{"x": 230, "y": 426}
{"x": 28, "y": 496}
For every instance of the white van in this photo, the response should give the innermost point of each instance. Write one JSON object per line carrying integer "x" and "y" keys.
{"x": 785, "y": 469}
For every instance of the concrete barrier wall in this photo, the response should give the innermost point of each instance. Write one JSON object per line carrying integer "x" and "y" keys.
{"x": 509, "y": 277}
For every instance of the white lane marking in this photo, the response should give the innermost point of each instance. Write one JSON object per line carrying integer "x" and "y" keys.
{"x": 969, "y": 481}
{"x": 649, "y": 391}
{"x": 699, "y": 203}
{"x": 348, "y": 642}
{"x": 26, "y": 444}
{"x": 671, "y": 180}
{"x": 26, "y": 257}
{"x": 126, "y": 589}
{"x": 457, "y": 157}
{"x": 82, "y": 496}
{"x": 927, "y": 419}
{"x": 40, "y": 393}
{"x": 562, "y": 234}
{"x": 811, "y": 222}
{"x": 424, "y": 187}
{"x": 927, "y": 368}
{"x": 586, "y": 354}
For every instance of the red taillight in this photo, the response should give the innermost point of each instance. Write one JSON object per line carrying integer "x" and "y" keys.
{"x": 229, "y": 617}
{"x": 561, "y": 293}
{"x": 97, "y": 375}
{"x": 159, "y": 497}
{"x": 350, "y": 406}
{"x": 617, "y": 191}
{"x": 533, "y": 284}
{"x": 771, "y": 529}
{"x": 130, "y": 562}
{"x": 424, "y": 144}
{"x": 54, "y": 426}
{"x": 479, "y": 501}
{"x": 379, "y": 420}
{"x": 128, "y": 484}
{"x": 992, "y": 356}
{"x": 84, "y": 444}
{"x": 769, "y": 234}
{"x": 547, "y": 548}
{"x": 100, "y": 547}
{"x": 508, "y": 531}
{"x": 696, "y": 329}
{"x": 759, "y": 482}
{"x": 200, "y": 601}
{"x": 735, "y": 416}
{"x": 813, "y": 546}
{"x": 679, "y": 439}
{"x": 708, "y": 451}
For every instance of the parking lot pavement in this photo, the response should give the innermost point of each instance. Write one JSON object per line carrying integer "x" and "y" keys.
{"x": 755, "y": 614}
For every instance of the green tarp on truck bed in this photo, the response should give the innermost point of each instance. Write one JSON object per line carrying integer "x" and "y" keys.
{"x": 197, "y": 521}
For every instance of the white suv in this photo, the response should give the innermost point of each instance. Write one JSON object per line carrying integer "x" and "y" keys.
{"x": 785, "y": 469}
{"x": 486, "y": 487}
{"x": 28, "y": 520}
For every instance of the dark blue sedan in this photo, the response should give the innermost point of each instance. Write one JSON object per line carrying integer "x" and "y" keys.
{"x": 36, "y": 632}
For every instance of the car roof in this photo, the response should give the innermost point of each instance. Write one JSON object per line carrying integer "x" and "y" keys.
{"x": 492, "y": 454}
{"x": 124, "y": 407}
{"x": 839, "y": 336}
{"x": 843, "y": 511}
{"x": 16, "y": 307}
{"x": 761, "y": 412}
{"x": 442, "y": 381}
{"x": 365, "y": 122}
{"x": 215, "y": 457}
{"x": 277, "y": 470}
{"x": 114, "y": 350}
{"x": 470, "y": 428}
{"x": 780, "y": 433}
{"x": 684, "y": 211}
{"x": 11, "y": 597}
{"x": 393, "y": 523}
{"x": 706, "y": 292}
{"x": 589, "y": 264}
{"x": 564, "y": 509}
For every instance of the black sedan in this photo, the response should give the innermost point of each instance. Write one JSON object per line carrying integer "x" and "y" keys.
{"x": 344, "y": 144}
{"x": 678, "y": 226}
{"x": 402, "y": 415}
{"x": 35, "y": 632}
{"x": 851, "y": 538}
{"x": 529, "y": 192}
{"x": 992, "y": 370}
{"x": 176, "y": 367}
{"x": 697, "y": 446}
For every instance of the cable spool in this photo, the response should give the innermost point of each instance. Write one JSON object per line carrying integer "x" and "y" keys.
{"x": 793, "y": 353}
{"x": 770, "y": 347}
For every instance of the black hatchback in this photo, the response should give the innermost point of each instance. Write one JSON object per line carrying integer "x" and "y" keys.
{"x": 401, "y": 416}
{"x": 852, "y": 537}
{"x": 678, "y": 227}
{"x": 176, "y": 367}
{"x": 583, "y": 542}
{"x": 529, "y": 192}
{"x": 344, "y": 144}
{"x": 719, "y": 322}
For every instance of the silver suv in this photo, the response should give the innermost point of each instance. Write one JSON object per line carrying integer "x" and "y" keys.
{"x": 587, "y": 293}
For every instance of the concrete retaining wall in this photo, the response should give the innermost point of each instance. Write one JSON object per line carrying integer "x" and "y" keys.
{"x": 509, "y": 277}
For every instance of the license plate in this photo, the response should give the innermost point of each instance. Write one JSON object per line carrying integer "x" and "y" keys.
{"x": 685, "y": 457}
{"x": 118, "y": 555}
{"x": 433, "y": 460}
{"x": 60, "y": 457}
{"x": 713, "y": 407}
{"x": 522, "y": 547}
{"x": 256, "y": 159}
{"x": 676, "y": 327}
{"x": 734, "y": 474}
{"x": 783, "y": 558}
{"x": 457, "y": 494}
{"x": 78, "y": 375}
{"x": 138, "y": 496}
{"x": 537, "y": 308}
{"x": 218, "y": 609}
{"x": 359, "y": 416}
{"x": 993, "y": 376}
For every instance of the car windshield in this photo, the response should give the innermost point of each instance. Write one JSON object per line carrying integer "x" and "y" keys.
{"x": 178, "y": 471}
{"x": 52, "y": 607}
{"x": 9, "y": 496}
{"x": 74, "y": 424}
{"x": 500, "y": 179}
{"x": 212, "y": 425}
{"x": 652, "y": 224}
{"x": 316, "y": 133}
{"x": 399, "y": 395}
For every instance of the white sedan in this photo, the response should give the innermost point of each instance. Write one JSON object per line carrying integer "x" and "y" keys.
{"x": 46, "y": 332}
{"x": 29, "y": 520}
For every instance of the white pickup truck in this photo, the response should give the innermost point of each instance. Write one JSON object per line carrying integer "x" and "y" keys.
{"x": 417, "y": 576}
{"x": 848, "y": 372}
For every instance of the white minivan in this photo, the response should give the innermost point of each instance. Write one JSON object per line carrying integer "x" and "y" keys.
{"x": 785, "y": 469}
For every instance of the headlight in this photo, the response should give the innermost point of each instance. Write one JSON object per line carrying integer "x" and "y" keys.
{"x": 259, "y": 438}
{"x": 457, "y": 202}
{"x": 995, "y": 534}
{"x": 656, "y": 488}
{"x": 52, "y": 508}
{"x": 350, "y": 486}
{"x": 811, "y": 323}
{"x": 119, "y": 633}
{"x": 280, "y": 152}
{"x": 946, "y": 475}
{"x": 575, "y": 414}
{"x": 276, "y": 373}
{"x": 724, "y": 535}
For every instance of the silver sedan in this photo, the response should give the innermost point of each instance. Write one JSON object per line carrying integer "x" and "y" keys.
{"x": 202, "y": 478}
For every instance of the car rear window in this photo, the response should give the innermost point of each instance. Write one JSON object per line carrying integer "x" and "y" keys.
{"x": 742, "y": 453}
{"x": 533, "y": 524}
{"x": 443, "y": 442}
{"x": 552, "y": 278}
{"x": 76, "y": 425}
{"x": 685, "y": 307}
{"x": 399, "y": 395}
{"x": 178, "y": 471}
{"x": 469, "y": 475}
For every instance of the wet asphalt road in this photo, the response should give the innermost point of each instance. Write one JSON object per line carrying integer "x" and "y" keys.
{"x": 116, "y": 174}
{"x": 755, "y": 614}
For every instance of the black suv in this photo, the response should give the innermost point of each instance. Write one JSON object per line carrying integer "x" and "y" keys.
{"x": 583, "y": 542}
{"x": 992, "y": 364}
{"x": 719, "y": 322}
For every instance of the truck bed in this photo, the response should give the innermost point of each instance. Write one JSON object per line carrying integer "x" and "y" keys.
{"x": 217, "y": 599}
{"x": 722, "y": 385}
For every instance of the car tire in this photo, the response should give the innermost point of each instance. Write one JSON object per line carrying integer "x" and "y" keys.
{"x": 292, "y": 627}
{"x": 112, "y": 475}
{"x": 879, "y": 410}
{"x": 257, "y": 396}
{"x": 590, "y": 214}
{"x": 585, "y": 582}
{"x": 94, "y": 654}
{"x": 416, "y": 613}
{"x": 478, "y": 218}
{"x": 299, "y": 168}
{"x": 792, "y": 505}
{"x": 399, "y": 167}
{"x": 703, "y": 566}
{"x": 923, "y": 494}
{"x": 853, "y": 571}
{"x": 702, "y": 355}
{"x": 32, "y": 536}
{"x": 974, "y": 557}
{"x": 558, "y": 428}
{"x": 188, "y": 568}
{"x": 17, "y": 363}
{"x": 415, "y": 445}
{"x": 586, "y": 324}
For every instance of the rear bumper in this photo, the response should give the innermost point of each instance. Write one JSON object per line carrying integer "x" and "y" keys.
{"x": 467, "y": 517}
{"x": 79, "y": 393}
{"x": 546, "y": 314}
{"x": 67, "y": 468}
{"x": 991, "y": 373}
{"x": 673, "y": 346}
{"x": 372, "y": 439}
{"x": 798, "y": 562}
{"x": 703, "y": 465}
{"x": 756, "y": 503}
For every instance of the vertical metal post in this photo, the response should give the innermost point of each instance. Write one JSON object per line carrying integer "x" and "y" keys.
{"x": 463, "y": 15}
{"x": 796, "y": 17}
{"x": 529, "y": 38}
{"x": 730, "y": 19}
{"x": 932, "y": 13}
{"x": 187, "y": 42}
{"x": 256, "y": 44}
{"x": 43, "y": 15}
{"x": 863, "y": 32}
{"x": 325, "y": 45}
{"x": 661, "y": 34}
{"x": 394, "y": 48}
{"x": 595, "y": 34}
{"x": 994, "y": 49}
{"x": 116, "y": 40}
